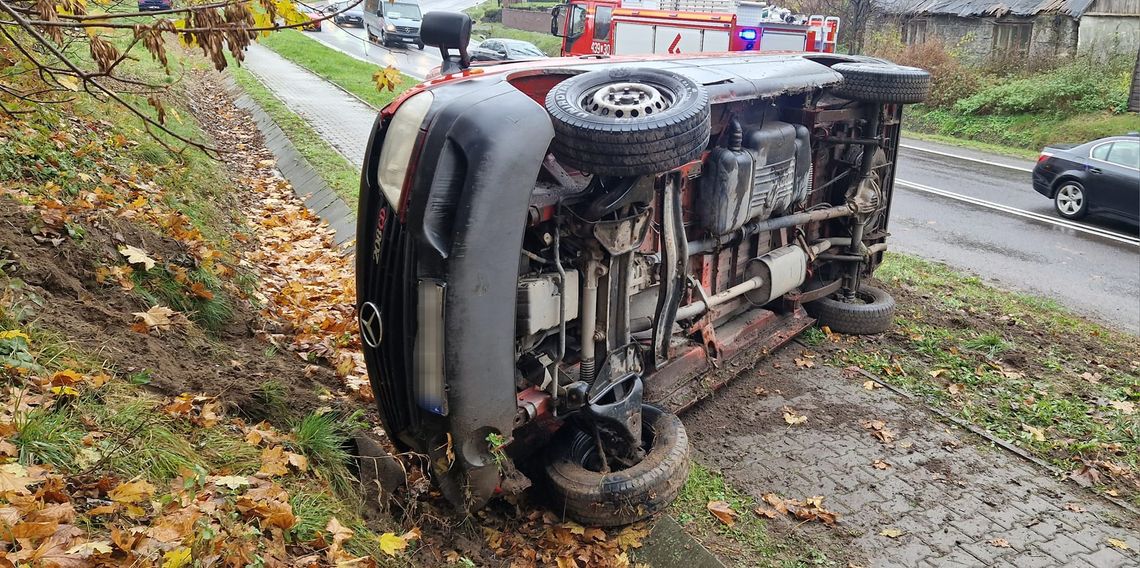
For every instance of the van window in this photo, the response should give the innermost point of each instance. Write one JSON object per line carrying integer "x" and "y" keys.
{"x": 409, "y": 11}
{"x": 602, "y": 18}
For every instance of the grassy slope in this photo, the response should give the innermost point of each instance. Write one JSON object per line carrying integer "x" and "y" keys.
{"x": 141, "y": 440}
{"x": 336, "y": 171}
{"x": 1020, "y": 134}
{"x": 349, "y": 73}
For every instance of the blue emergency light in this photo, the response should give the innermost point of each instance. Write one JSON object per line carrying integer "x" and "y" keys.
{"x": 748, "y": 35}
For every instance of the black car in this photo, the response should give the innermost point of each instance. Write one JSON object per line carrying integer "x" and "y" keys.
{"x": 495, "y": 49}
{"x": 352, "y": 17}
{"x": 1102, "y": 177}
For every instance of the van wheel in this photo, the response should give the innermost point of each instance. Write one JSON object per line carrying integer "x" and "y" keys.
{"x": 872, "y": 311}
{"x": 627, "y": 122}
{"x": 620, "y": 497}
{"x": 882, "y": 83}
{"x": 420, "y": 45}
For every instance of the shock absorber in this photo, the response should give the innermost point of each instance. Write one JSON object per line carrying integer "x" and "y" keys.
{"x": 589, "y": 318}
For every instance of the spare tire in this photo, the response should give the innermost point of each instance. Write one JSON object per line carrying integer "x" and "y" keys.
{"x": 882, "y": 83}
{"x": 620, "y": 497}
{"x": 627, "y": 122}
{"x": 873, "y": 311}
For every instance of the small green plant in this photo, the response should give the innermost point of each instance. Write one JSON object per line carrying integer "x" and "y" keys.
{"x": 140, "y": 377}
{"x": 273, "y": 398}
{"x": 813, "y": 336}
{"x": 46, "y": 437}
{"x": 991, "y": 344}
{"x": 496, "y": 443}
{"x": 324, "y": 437}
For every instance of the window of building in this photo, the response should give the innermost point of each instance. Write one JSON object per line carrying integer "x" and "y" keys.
{"x": 602, "y": 17}
{"x": 915, "y": 32}
{"x": 1012, "y": 38}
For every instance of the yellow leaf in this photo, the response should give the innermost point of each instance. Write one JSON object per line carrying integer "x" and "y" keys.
{"x": 91, "y": 548}
{"x": 891, "y": 532}
{"x": 14, "y": 478}
{"x": 131, "y": 492}
{"x": 136, "y": 255}
{"x": 1124, "y": 406}
{"x": 64, "y": 391}
{"x": 1118, "y": 543}
{"x": 391, "y": 544}
{"x": 14, "y": 333}
{"x": 1038, "y": 433}
{"x": 791, "y": 417}
{"x": 68, "y": 82}
{"x": 177, "y": 558}
{"x": 870, "y": 385}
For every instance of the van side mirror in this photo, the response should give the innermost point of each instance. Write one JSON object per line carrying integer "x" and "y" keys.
{"x": 558, "y": 21}
{"x": 447, "y": 31}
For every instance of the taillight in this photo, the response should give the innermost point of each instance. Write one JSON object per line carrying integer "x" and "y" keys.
{"x": 1044, "y": 156}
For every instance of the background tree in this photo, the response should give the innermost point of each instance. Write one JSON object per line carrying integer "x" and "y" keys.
{"x": 54, "y": 50}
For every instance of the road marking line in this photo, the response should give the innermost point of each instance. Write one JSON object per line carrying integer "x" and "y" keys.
{"x": 967, "y": 158}
{"x": 1103, "y": 233}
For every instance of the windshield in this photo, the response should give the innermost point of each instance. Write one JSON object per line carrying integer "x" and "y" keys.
{"x": 410, "y": 11}
{"x": 524, "y": 49}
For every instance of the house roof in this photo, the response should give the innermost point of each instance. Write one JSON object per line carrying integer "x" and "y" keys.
{"x": 964, "y": 8}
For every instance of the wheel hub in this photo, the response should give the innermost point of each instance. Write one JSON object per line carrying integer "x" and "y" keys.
{"x": 626, "y": 100}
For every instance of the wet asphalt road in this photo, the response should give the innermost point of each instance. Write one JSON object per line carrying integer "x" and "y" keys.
{"x": 1095, "y": 275}
{"x": 1017, "y": 242}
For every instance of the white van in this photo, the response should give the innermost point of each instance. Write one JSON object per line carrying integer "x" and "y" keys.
{"x": 389, "y": 23}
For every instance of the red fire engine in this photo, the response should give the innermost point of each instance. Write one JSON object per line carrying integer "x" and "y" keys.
{"x": 604, "y": 27}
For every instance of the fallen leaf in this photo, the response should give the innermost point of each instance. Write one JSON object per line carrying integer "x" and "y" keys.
{"x": 91, "y": 548}
{"x": 1126, "y": 407}
{"x": 131, "y": 492}
{"x": 1037, "y": 433}
{"x": 999, "y": 543}
{"x": 273, "y": 461}
{"x": 791, "y": 417}
{"x": 760, "y": 391}
{"x": 1118, "y": 543}
{"x": 232, "y": 481}
{"x": 956, "y": 388}
{"x": 938, "y": 373}
{"x": 390, "y": 543}
{"x": 177, "y": 558}
{"x": 1091, "y": 377}
{"x": 871, "y": 385}
{"x": 723, "y": 512}
{"x": 891, "y": 532}
{"x": 137, "y": 256}
{"x": 765, "y": 512}
{"x": 880, "y": 464}
{"x": 804, "y": 363}
{"x": 159, "y": 318}
{"x": 1085, "y": 476}
{"x": 14, "y": 478}
{"x": 1074, "y": 507}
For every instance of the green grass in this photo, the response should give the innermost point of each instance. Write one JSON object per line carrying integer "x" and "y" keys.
{"x": 159, "y": 287}
{"x": 348, "y": 73}
{"x": 998, "y": 149}
{"x": 1021, "y": 134}
{"x": 323, "y": 438}
{"x": 485, "y": 28}
{"x": 336, "y": 171}
{"x": 1011, "y": 364}
{"x": 750, "y": 536}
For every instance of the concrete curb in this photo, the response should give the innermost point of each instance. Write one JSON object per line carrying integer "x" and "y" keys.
{"x": 307, "y": 183}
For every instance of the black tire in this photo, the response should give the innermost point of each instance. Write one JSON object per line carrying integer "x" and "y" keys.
{"x": 882, "y": 83}
{"x": 626, "y": 496}
{"x": 1071, "y": 200}
{"x": 420, "y": 45}
{"x": 874, "y": 312}
{"x": 623, "y": 139}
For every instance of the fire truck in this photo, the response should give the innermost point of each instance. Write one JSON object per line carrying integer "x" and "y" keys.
{"x": 607, "y": 27}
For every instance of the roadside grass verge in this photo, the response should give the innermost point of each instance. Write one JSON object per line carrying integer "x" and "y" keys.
{"x": 1020, "y": 134}
{"x": 336, "y": 171}
{"x": 488, "y": 24}
{"x": 751, "y": 540}
{"x": 998, "y": 149}
{"x": 348, "y": 73}
{"x": 1023, "y": 368}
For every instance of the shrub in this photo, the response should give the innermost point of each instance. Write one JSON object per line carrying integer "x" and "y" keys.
{"x": 1079, "y": 86}
{"x": 950, "y": 80}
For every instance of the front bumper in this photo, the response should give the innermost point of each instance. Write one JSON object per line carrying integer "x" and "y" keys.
{"x": 402, "y": 36}
{"x": 461, "y": 227}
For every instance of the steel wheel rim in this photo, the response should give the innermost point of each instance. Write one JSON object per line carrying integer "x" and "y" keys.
{"x": 627, "y": 100}
{"x": 1070, "y": 198}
